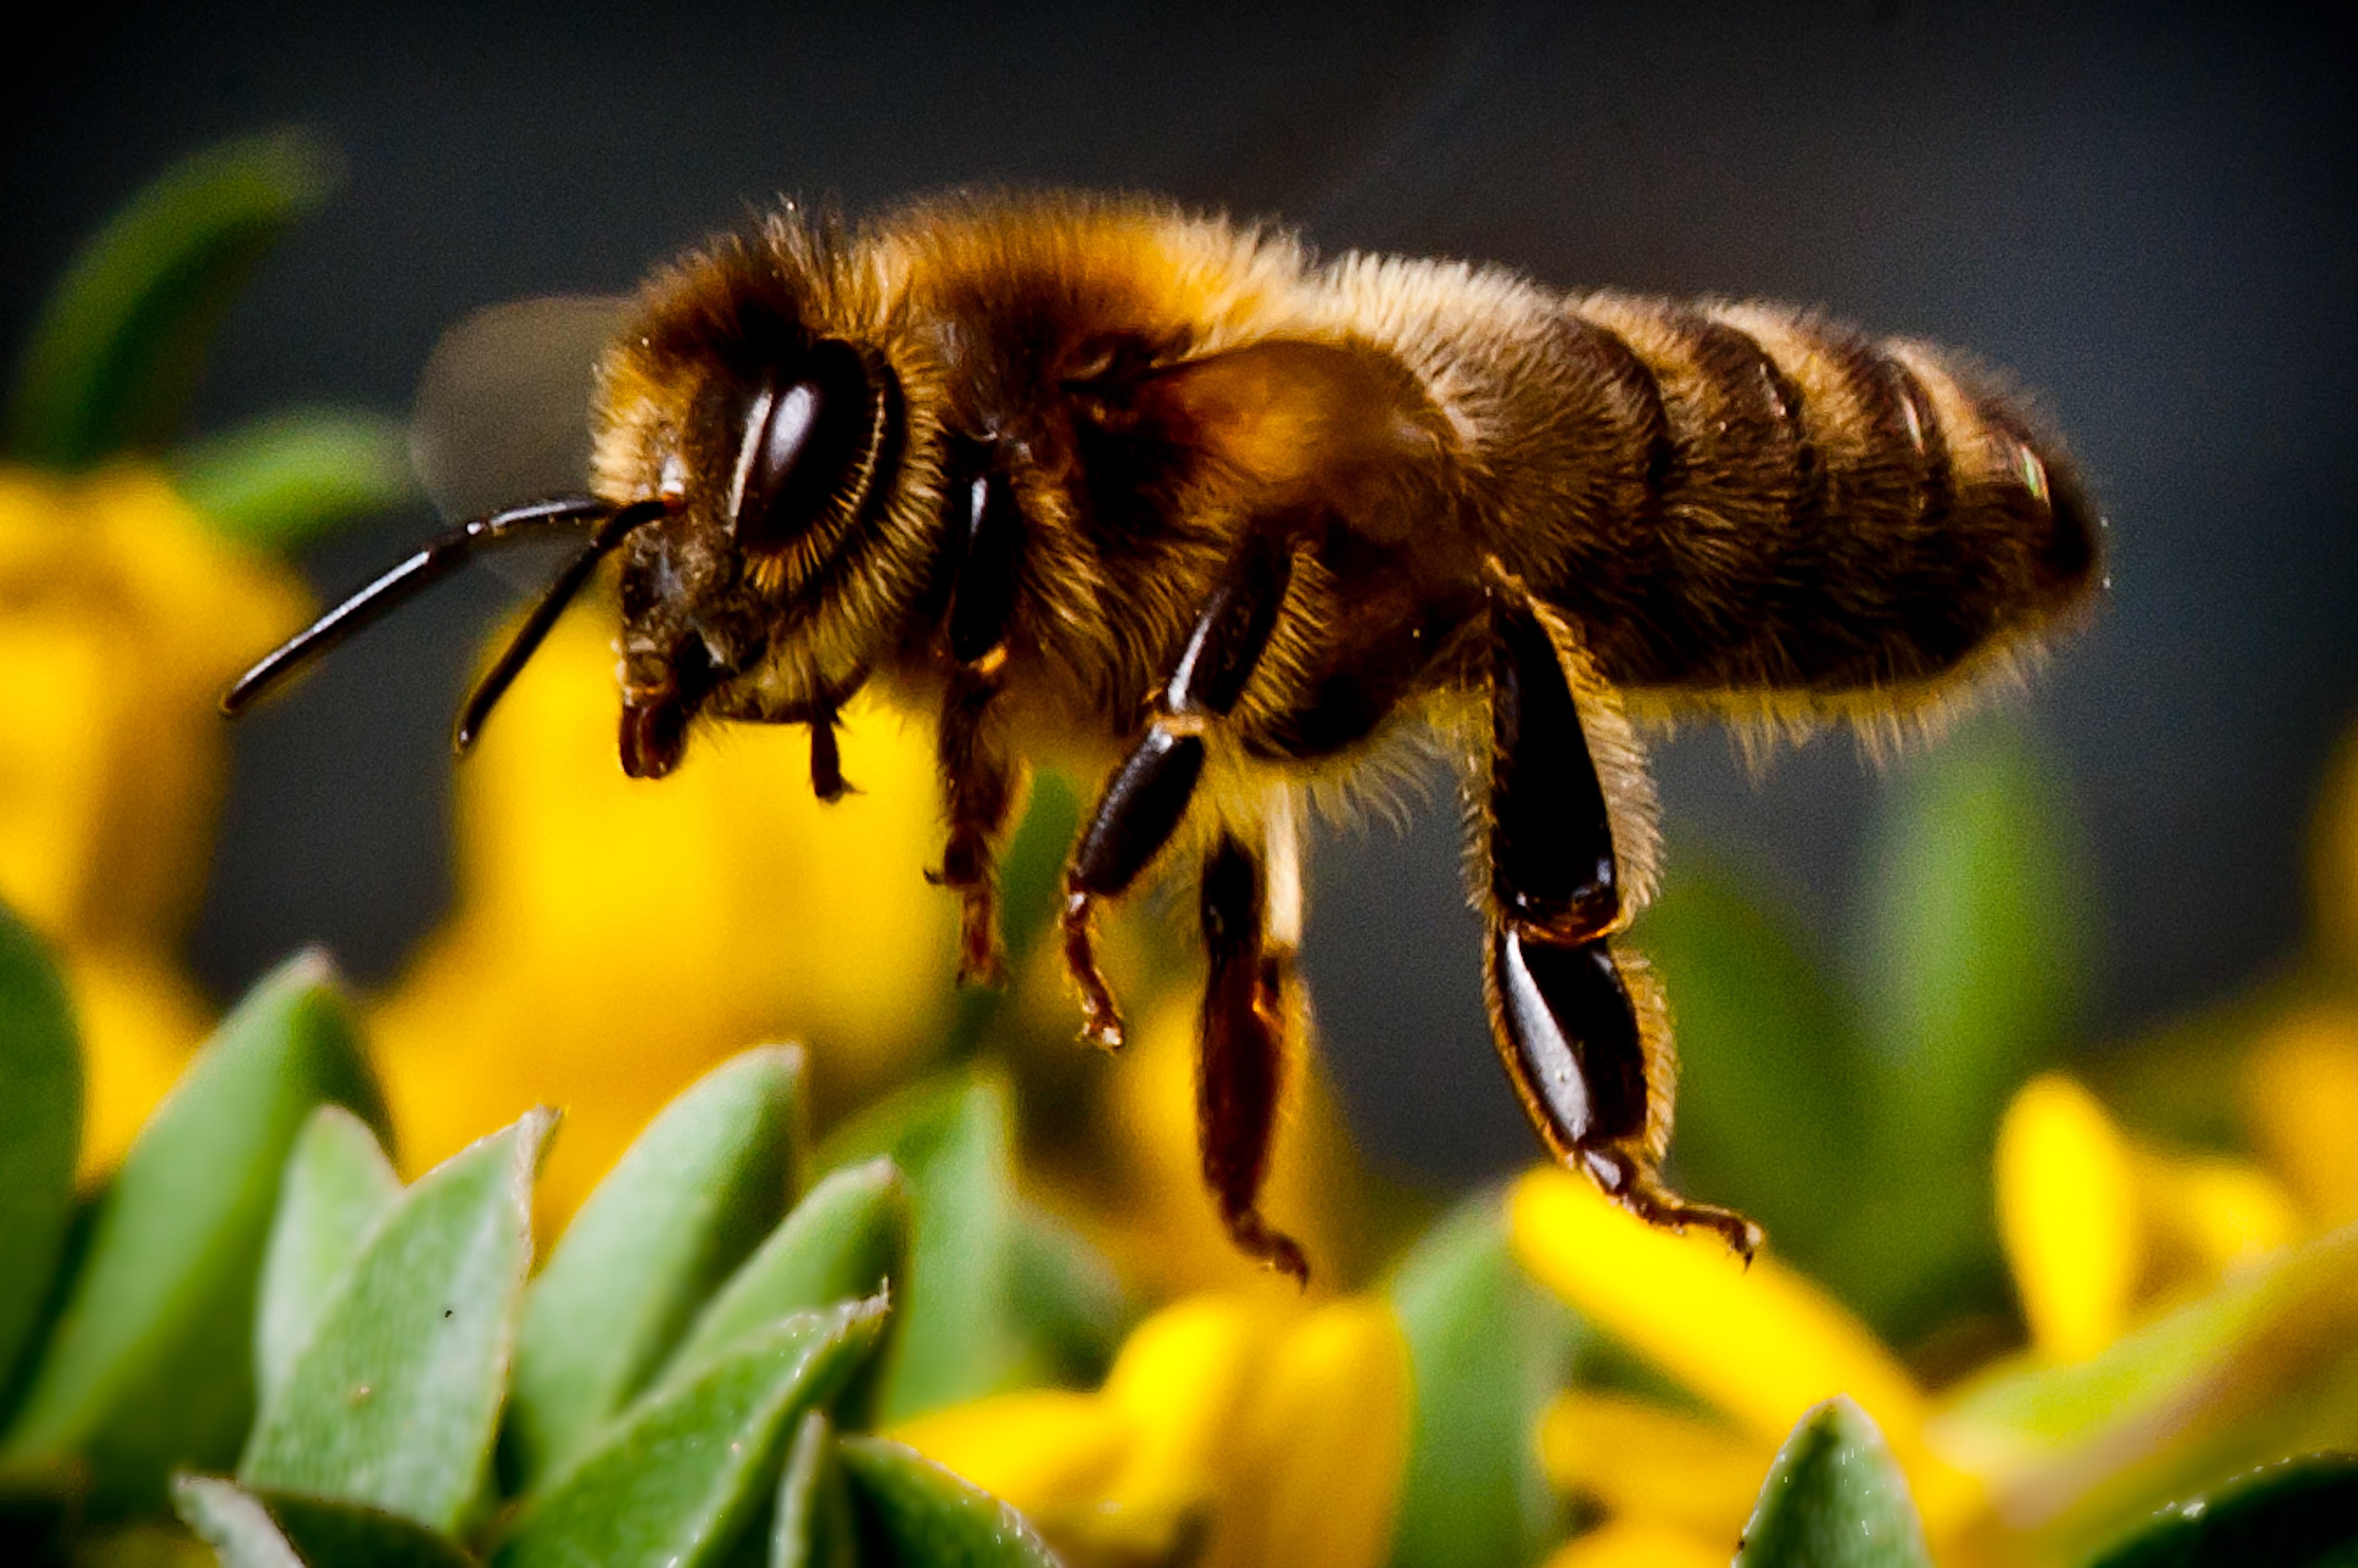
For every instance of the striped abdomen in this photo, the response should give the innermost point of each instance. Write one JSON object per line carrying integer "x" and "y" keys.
{"x": 1780, "y": 503}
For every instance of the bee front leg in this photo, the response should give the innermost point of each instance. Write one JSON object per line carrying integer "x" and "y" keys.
{"x": 1580, "y": 1029}
{"x": 1148, "y": 796}
{"x": 1240, "y": 1073}
{"x": 978, "y": 783}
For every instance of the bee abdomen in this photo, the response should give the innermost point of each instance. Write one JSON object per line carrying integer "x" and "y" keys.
{"x": 1808, "y": 509}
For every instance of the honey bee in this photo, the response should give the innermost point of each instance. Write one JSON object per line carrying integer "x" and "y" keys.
{"x": 1171, "y": 499}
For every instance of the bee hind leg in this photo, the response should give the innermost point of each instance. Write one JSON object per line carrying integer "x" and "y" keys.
{"x": 1580, "y": 1029}
{"x": 1148, "y": 796}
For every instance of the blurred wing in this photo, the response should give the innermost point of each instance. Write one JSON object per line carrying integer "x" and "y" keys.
{"x": 503, "y": 409}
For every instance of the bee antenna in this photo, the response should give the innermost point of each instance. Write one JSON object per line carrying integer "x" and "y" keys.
{"x": 434, "y": 560}
{"x": 559, "y": 593}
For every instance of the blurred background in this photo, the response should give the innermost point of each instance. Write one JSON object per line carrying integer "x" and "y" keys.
{"x": 2146, "y": 218}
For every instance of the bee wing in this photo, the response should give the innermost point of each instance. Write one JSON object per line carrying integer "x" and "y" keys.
{"x": 503, "y": 409}
{"x": 1293, "y": 415}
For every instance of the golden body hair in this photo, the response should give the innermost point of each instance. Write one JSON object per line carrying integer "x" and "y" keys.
{"x": 1139, "y": 490}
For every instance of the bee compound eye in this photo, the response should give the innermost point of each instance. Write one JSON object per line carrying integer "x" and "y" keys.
{"x": 804, "y": 437}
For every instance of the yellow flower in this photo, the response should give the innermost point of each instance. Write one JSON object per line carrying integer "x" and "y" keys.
{"x": 2096, "y": 1225}
{"x": 2170, "y": 1311}
{"x": 124, "y": 619}
{"x": 615, "y": 938}
{"x": 2300, "y": 1102}
{"x": 1233, "y": 1432}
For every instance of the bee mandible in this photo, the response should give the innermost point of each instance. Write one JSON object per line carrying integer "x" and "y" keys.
{"x": 1170, "y": 499}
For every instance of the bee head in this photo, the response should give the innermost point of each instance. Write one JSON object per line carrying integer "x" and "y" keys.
{"x": 775, "y": 430}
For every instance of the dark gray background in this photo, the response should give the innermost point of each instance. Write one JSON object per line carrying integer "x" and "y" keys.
{"x": 2148, "y": 218}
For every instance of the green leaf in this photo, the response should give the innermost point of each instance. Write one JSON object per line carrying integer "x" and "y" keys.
{"x": 1974, "y": 943}
{"x": 689, "y": 1200}
{"x": 289, "y": 478}
{"x": 812, "y": 1527}
{"x": 956, "y": 1336}
{"x": 1067, "y": 1301}
{"x": 846, "y": 1239}
{"x": 112, "y": 360}
{"x": 1488, "y": 1350}
{"x": 1835, "y": 1499}
{"x": 395, "y": 1402}
{"x": 2299, "y": 1513}
{"x": 40, "y": 1127}
{"x": 338, "y": 1188}
{"x": 910, "y": 1510}
{"x": 680, "y": 1476}
{"x": 274, "y": 1529}
{"x": 1974, "y": 957}
{"x": 1031, "y": 871}
{"x": 150, "y": 1365}
{"x": 1769, "y": 1112}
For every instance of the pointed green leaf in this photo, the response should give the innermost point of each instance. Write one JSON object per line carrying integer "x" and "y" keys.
{"x": 846, "y": 1239}
{"x": 685, "y": 1205}
{"x": 150, "y": 1365}
{"x": 1973, "y": 957}
{"x": 289, "y": 478}
{"x": 273, "y": 1530}
{"x": 1975, "y": 937}
{"x": 2301, "y": 1513}
{"x": 1066, "y": 1302}
{"x": 910, "y": 1510}
{"x": 338, "y": 1188}
{"x": 40, "y": 1127}
{"x": 675, "y": 1481}
{"x": 1488, "y": 1350}
{"x": 1835, "y": 1499}
{"x": 112, "y": 361}
{"x": 812, "y": 1527}
{"x": 955, "y": 1334}
{"x": 395, "y": 1402}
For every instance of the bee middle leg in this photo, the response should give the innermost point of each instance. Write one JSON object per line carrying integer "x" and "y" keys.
{"x": 1582, "y": 1036}
{"x": 1240, "y": 1071}
{"x": 1143, "y": 805}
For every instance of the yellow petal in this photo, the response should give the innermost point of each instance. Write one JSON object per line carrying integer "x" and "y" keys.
{"x": 1041, "y": 1449}
{"x": 57, "y": 755}
{"x": 1318, "y": 1455}
{"x": 1641, "y": 1461}
{"x": 140, "y": 1021}
{"x": 2205, "y": 1214}
{"x": 1184, "y": 1379}
{"x": 2300, "y": 1101}
{"x": 2067, "y": 1212}
{"x": 1763, "y": 1343}
{"x": 126, "y": 617}
{"x": 1643, "y": 1543}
